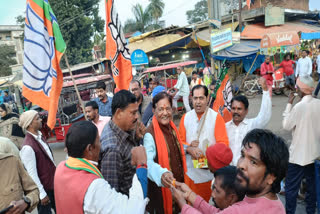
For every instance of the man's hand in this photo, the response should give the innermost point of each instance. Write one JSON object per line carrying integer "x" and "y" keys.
{"x": 140, "y": 130}
{"x": 138, "y": 156}
{"x": 177, "y": 195}
{"x": 195, "y": 152}
{"x": 291, "y": 97}
{"x": 166, "y": 179}
{"x": 194, "y": 143}
{"x": 18, "y": 207}
{"x": 186, "y": 192}
{"x": 263, "y": 83}
{"x": 45, "y": 201}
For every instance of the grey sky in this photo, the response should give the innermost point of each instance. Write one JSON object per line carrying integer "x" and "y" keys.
{"x": 174, "y": 12}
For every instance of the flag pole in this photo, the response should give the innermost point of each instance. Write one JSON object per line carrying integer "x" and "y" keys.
{"x": 75, "y": 86}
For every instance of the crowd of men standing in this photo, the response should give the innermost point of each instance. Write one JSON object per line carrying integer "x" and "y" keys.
{"x": 130, "y": 157}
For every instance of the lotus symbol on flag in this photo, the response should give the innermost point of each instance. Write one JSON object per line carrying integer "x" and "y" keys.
{"x": 227, "y": 96}
{"x": 39, "y": 52}
{"x": 118, "y": 36}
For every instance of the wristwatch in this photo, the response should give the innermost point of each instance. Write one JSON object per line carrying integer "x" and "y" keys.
{"x": 27, "y": 201}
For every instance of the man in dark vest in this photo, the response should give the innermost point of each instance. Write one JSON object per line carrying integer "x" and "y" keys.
{"x": 37, "y": 158}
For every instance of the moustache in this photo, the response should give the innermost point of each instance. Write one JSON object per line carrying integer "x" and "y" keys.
{"x": 214, "y": 203}
{"x": 135, "y": 121}
{"x": 241, "y": 174}
{"x": 236, "y": 115}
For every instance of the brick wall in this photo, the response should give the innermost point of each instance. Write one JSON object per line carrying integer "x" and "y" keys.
{"x": 290, "y": 4}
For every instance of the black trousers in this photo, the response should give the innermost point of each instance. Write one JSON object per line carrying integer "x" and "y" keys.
{"x": 47, "y": 208}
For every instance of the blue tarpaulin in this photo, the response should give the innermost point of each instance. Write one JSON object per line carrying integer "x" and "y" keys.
{"x": 245, "y": 51}
{"x": 310, "y": 36}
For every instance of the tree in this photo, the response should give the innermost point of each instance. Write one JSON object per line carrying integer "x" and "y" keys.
{"x": 155, "y": 8}
{"x": 78, "y": 21}
{"x": 199, "y": 13}
{"x": 145, "y": 19}
{"x": 7, "y": 54}
{"x": 142, "y": 17}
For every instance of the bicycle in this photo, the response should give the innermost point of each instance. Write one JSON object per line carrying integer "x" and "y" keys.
{"x": 252, "y": 88}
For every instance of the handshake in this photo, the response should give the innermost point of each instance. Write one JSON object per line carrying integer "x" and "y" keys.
{"x": 182, "y": 194}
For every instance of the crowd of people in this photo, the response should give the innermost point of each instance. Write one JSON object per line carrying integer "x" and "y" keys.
{"x": 130, "y": 156}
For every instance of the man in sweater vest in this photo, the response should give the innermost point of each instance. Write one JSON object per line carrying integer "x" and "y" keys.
{"x": 79, "y": 185}
{"x": 199, "y": 129}
{"x": 37, "y": 158}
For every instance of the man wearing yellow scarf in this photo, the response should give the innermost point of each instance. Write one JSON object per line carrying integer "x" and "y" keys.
{"x": 80, "y": 187}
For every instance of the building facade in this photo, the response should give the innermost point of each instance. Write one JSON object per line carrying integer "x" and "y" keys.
{"x": 11, "y": 35}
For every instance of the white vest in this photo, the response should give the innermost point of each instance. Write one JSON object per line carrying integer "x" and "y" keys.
{"x": 192, "y": 125}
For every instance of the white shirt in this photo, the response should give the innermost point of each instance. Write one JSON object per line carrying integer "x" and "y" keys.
{"x": 236, "y": 134}
{"x": 304, "y": 67}
{"x": 318, "y": 63}
{"x": 182, "y": 85}
{"x": 100, "y": 198}
{"x": 28, "y": 159}
{"x": 303, "y": 120}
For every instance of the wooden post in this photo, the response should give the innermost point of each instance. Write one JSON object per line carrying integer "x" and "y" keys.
{"x": 240, "y": 18}
{"x": 75, "y": 86}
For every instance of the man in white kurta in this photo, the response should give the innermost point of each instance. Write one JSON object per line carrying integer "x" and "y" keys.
{"x": 182, "y": 90}
{"x": 213, "y": 131}
{"x": 239, "y": 126}
{"x": 303, "y": 120}
{"x": 304, "y": 66}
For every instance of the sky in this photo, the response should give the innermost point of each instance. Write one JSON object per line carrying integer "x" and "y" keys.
{"x": 174, "y": 12}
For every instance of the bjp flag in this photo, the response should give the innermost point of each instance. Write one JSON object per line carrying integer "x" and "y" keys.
{"x": 117, "y": 48}
{"x": 223, "y": 92}
{"x": 43, "y": 49}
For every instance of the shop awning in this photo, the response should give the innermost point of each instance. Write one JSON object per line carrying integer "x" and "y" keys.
{"x": 310, "y": 36}
{"x": 246, "y": 51}
{"x": 166, "y": 67}
{"x": 256, "y": 31}
{"x": 160, "y": 43}
{"x": 238, "y": 51}
{"x": 280, "y": 39}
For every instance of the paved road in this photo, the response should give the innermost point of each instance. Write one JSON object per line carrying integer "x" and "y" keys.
{"x": 275, "y": 125}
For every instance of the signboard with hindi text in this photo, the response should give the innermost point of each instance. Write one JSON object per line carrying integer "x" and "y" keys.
{"x": 221, "y": 39}
{"x": 274, "y": 16}
{"x": 139, "y": 57}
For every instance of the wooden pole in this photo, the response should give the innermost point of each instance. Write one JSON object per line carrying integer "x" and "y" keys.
{"x": 240, "y": 18}
{"x": 75, "y": 86}
{"x": 244, "y": 79}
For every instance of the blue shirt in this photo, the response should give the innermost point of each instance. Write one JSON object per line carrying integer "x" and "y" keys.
{"x": 104, "y": 108}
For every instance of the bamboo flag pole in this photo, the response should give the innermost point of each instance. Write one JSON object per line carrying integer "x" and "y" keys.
{"x": 75, "y": 86}
{"x": 244, "y": 79}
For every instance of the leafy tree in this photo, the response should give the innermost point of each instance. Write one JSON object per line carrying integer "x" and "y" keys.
{"x": 7, "y": 54}
{"x": 155, "y": 8}
{"x": 78, "y": 21}
{"x": 141, "y": 22}
{"x": 20, "y": 20}
{"x": 145, "y": 19}
{"x": 199, "y": 13}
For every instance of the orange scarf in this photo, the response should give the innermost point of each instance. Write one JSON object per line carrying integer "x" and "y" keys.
{"x": 82, "y": 164}
{"x": 163, "y": 160}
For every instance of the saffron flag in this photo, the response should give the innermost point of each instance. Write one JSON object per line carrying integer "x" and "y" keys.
{"x": 223, "y": 94}
{"x": 117, "y": 48}
{"x": 43, "y": 49}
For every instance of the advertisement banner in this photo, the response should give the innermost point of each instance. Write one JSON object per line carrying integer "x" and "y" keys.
{"x": 221, "y": 39}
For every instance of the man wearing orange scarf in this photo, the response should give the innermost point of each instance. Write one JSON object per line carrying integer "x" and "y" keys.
{"x": 199, "y": 129}
{"x": 79, "y": 185}
{"x": 165, "y": 153}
